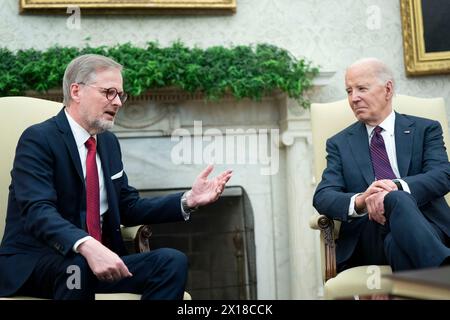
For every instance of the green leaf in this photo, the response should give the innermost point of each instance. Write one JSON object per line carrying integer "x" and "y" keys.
{"x": 245, "y": 71}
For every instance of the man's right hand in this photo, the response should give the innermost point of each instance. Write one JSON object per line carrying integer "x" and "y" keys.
{"x": 376, "y": 186}
{"x": 104, "y": 263}
{"x": 375, "y": 207}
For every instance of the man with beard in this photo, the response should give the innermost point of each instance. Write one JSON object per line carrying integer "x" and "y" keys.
{"x": 69, "y": 196}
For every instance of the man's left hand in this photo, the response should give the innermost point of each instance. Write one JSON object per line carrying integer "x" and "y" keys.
{"x": 205, "y": 191}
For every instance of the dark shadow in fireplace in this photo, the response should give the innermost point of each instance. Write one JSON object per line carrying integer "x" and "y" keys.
{"x": 220, "y": 244}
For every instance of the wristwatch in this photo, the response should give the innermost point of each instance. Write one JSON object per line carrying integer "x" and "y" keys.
{"x": 185, "y": 206}
{"x": 398, "y": 184}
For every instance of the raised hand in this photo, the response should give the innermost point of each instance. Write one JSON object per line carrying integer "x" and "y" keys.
{"x": 205, "y": 191}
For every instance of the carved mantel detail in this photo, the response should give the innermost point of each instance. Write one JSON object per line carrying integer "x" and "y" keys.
{"x": 142, "y": 114}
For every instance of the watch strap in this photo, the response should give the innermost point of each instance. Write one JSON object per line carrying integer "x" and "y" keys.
{"x": 184, "y": 204}
{"x": 398, "y": 184}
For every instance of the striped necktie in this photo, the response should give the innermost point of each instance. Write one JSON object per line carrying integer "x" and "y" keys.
{"x": 380, "y": 160}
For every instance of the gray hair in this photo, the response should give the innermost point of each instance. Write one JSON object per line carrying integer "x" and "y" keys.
{"x": 83, "y": 69}
{"x": 381, "y": 69}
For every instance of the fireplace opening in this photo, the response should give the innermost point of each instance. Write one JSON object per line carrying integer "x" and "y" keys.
{"x": 219, "y": 243}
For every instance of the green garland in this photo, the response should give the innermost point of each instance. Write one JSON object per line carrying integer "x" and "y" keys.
{"x": 243, "y": 71}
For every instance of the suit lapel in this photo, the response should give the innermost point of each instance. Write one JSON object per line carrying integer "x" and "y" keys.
{"x": 111, "y": 221}
{"x": 105, "y": 160}
{"x": 404, "y": 136}
{"x": 69, "y": 140}
{"x": 359, "y": 146}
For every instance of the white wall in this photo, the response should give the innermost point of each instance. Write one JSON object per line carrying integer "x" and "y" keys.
{"x": 332, "y": 33}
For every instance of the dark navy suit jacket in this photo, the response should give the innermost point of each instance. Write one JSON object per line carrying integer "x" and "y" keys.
{"x": 422, "y": 162}
{"x": 47, "y": 200}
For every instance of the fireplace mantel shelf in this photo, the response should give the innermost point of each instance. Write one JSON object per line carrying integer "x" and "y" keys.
{"x": 173, "y": 94}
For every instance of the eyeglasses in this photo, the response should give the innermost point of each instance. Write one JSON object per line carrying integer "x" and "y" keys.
{"x": 110, "y": 93}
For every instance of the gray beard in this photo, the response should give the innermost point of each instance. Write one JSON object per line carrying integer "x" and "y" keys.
{"x": 102, "y": 125}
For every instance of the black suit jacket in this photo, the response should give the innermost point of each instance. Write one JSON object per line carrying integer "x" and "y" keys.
{"x": 422, "y": 162}
{"x": 47, "y": 200}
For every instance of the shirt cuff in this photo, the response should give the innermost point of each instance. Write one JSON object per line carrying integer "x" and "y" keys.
{"x": 186, "y": 215}
{"x": 351, "y": 208}
{"x": 77, "y": 244}
{"x": 404, "y": 186}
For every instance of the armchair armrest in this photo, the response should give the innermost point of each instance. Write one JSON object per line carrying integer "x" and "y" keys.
{"x": 328, "y": 247}
{"x": 139, "y": 236}
{"x": 319, "y": 222}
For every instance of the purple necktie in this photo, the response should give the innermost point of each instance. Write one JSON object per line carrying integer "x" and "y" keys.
{"x": 380, "y": 160}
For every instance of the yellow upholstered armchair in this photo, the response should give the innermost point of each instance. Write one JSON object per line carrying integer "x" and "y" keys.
{"x": 18, "y": 113}
{"x": 326, "y": 120}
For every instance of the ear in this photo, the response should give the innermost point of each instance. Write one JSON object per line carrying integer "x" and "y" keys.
{"x": 389, "y": 87}
{"x": 75, "y": 92}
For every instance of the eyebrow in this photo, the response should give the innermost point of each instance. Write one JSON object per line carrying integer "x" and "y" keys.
{"x": 104, "y": 88}
{"x": 359, "y": 85}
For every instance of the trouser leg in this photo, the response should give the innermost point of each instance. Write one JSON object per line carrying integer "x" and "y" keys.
{"x": 159, "y": 274}
{"x": 395, "y": 255}
{"x": 369, "y": 249}
{"x": 416, "y": 237}
{"x": 61, "y": 277}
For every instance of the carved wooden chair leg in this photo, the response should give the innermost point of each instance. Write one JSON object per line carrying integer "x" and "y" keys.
{"x": 326, "y": 226}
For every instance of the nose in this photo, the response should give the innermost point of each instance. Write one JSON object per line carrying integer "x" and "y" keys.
{"x": 355, "y": 97}
{"x": 117, "y": 102}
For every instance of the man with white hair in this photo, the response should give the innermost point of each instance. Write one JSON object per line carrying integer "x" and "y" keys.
{"x": 386, "y": 178}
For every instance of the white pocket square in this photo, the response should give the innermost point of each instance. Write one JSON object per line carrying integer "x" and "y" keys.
{"x": 117, "y": 175}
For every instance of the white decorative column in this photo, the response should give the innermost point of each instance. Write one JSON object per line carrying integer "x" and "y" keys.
{"x": 296, "y": 138}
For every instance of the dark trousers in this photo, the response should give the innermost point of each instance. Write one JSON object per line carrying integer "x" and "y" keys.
{"x": 159, "y": 275}
{"x": 407, "y": 241}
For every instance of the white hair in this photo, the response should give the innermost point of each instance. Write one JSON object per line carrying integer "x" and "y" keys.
{"x": 380, "y": 69}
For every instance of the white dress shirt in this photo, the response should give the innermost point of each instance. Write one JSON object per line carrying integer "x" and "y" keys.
{"x": 388, "y": 134}
{"x": 81, "y": 136}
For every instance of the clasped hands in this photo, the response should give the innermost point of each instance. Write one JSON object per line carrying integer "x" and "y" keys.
{"x": 372, "y": 199}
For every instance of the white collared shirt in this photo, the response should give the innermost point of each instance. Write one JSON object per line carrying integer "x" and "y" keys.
{"x": 388, "y": 134}
{"x": 81, "y": 136}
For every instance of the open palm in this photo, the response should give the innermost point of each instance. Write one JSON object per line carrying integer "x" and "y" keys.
{"x": 205, "y": 191}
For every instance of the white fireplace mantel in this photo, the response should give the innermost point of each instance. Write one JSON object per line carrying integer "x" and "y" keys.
{"x": 286, "y": 254}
